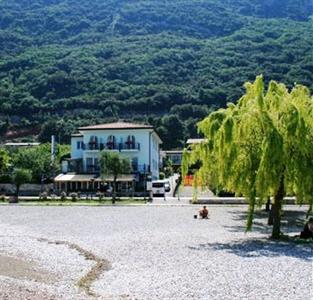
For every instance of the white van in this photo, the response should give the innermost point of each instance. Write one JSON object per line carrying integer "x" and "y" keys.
{"x": 160, "y": 187}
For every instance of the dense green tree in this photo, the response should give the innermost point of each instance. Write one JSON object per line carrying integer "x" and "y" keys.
{"x": 38, "y": 159}
{"x": 67, "y": 63}
{"x": 113, "y": 164}
{"x": 260, "y": 147}
{"x": 4, "y": 161}
{"x": 60, "y": 129}
{"x": 172, "y": 126}
{"x": 167, "y": 169}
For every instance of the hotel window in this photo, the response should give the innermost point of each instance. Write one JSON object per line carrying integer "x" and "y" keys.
{"x": 80, "y": 145}
{"x": 96, "y": 164}
{"x": 134, "y": 163}
{"x": 89, "y": 161}
{"x": 111, "y": 142}
{"x": 130, "y": 143}
{"x": 93, "y": 139}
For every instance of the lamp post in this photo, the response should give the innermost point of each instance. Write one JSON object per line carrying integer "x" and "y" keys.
{"x": 149, "y": 187}
{"x": 92, "y": 187}
{"x": 144, "y": 183}
{"x": 42, "y": 180}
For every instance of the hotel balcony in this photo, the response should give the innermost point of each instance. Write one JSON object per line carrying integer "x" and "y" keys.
{"x": 93, "y": 169}
{"x": 112, "y": 146}
{"x": 129, "y": 146}
{"x": 141, "y": 168}
{"x": 135, "y": 168}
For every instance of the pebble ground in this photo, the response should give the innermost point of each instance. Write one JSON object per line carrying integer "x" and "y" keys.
{"x": 154, "y": 253}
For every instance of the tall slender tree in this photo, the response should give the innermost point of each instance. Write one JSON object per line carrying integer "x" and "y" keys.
{"x": 113, "y": 164}
{"x": 260, "y": 147}
{"x": 20, "y": 177}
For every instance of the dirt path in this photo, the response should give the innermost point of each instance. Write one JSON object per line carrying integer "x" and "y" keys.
{"x": 100, "y": 266}
{"x": 20, "y": 269}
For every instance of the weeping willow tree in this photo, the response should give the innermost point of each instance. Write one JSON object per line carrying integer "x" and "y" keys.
{"x": 260, "y": 147}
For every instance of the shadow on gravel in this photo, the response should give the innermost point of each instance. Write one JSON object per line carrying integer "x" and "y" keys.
{"x": 260, "y": 248}
{"x": 291, "y": 221}
{"x": 257, "y": 227}
{"x": 287, "y": 215}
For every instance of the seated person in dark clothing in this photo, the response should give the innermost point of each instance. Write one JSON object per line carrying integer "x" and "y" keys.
{"x": 307, "y": 232}
{"x": 203, "y": 213}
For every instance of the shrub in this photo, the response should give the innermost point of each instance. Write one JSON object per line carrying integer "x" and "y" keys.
{"x": 63, "y": 196}
{"x": 2, "y": 198}
{"x": 100, "y": 195}
{"x": 225, "y": 193}
{"x": 43, "y": 196}
{"x": 161, "y": 176}
{"x": 74, "y": 196}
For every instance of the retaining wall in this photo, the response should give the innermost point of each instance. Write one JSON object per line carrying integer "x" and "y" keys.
{"x": 25, "y": 189}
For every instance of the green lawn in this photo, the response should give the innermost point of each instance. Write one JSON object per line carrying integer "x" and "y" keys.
{"x": 34, "y": 202}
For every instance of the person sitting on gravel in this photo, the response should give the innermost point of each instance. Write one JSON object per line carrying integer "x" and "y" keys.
{"x": 203, "y": 213}
{"x": 307, "y": 232}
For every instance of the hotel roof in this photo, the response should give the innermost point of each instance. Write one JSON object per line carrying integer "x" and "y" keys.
{"x": 21, "y": 144}
{"x": 116, "y": 125}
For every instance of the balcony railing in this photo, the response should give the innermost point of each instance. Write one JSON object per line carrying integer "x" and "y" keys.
{"x": 95, "y": 169}
{"x": 92, "y": 169}
{"x": 129, "y": 146}
{"x": 140, "y": 168}
{"x": 111, "y": 146}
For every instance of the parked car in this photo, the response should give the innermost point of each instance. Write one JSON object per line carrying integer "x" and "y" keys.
{"x": 160, "y": 187}
{"x": 167, "y": 186}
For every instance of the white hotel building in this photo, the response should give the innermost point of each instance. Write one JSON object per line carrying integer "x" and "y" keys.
{"x": 140, "y": 143}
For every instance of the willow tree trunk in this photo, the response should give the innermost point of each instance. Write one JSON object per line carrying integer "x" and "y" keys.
{"x": 278, "y": 199}
{"x": 268, "y": 204}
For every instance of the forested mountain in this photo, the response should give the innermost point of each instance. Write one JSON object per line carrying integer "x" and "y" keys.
{"x": 65, "y": 63}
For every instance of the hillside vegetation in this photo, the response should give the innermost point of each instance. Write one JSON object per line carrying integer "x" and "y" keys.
{"x": 65, "y": 63}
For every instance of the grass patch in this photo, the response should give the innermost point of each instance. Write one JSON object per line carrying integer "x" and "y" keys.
{"x": 36, "y": 202}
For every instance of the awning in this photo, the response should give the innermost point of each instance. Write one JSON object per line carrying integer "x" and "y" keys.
{"x": 91, "y": 178}
{"x": 121, "y": 178}
{"x": 196, "y": 141}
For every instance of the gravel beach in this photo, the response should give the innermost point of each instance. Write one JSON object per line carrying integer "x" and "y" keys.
{"x": 148, "y": 252}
